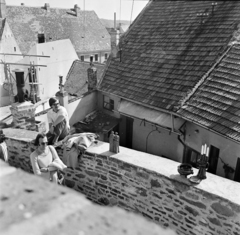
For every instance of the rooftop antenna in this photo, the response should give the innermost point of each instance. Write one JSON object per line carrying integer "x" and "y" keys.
{"x": 213, "y": 6}
{"x": 120, "y": 12}
{"x": 131, "y": 12}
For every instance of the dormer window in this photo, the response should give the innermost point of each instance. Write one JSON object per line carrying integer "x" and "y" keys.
{"x": 41, "y": 38}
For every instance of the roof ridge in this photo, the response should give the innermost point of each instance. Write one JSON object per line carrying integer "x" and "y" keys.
{"x": 70, "y": 70}
{"x": 42, "y": 7}
{"x": 109, "y": 60}
{"x": 202, "y": 80}
{"x": 3, "y": 23}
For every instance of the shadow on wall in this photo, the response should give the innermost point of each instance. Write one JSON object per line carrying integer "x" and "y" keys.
{"x": 78, "y": 109}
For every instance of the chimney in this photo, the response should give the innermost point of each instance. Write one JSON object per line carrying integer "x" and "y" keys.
{"x": 117, "y": 36}
{"x": 2, "y": 9}
{"x": 47, "y": 6}
{"x": 62, "y": 95}
{"x": 92, "y": 77}
{"x": 77, "y": 9}
{"x": 115, "y": 20}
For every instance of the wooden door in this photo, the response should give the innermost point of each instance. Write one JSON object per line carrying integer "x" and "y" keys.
{"x": 237, "y": 171}
{"x": 213, "y": 159}
{"x": 129, "y": 132}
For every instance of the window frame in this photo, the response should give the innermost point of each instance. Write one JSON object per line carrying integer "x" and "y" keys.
{"x": 108, "y": 104}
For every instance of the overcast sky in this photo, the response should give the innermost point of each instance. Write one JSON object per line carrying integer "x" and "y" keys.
{"x": 104, "y": 8}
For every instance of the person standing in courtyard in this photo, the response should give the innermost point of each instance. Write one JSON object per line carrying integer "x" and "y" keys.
{"x": 58, "y": 122}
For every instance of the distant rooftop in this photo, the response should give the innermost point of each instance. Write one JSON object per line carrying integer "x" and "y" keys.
{"x": 84, "y": 29}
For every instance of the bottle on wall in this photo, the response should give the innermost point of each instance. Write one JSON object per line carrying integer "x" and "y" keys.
{"x": 116, "y": 143}
{"x": 111, "y": 137}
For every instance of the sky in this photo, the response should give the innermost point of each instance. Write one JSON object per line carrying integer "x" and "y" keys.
{"x": 125, "y": 9}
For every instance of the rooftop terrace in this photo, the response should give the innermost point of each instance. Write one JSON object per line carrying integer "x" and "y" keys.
{"x": 142, "y": 183}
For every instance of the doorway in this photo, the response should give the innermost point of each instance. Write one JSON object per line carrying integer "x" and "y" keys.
{"x": 129, "y": 132}
{"x": 213, "y": 159}
{"x": 237, "y": 171}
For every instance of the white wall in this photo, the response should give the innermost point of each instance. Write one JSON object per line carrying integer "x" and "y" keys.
{"x": 101, "y": 56}
{"x": 78, "y": 109}
{"x": 62, "y": 54}
{"x": 8, "y": 44}
{"x": 160, "y": 144}
{"x": 229, "y": 150}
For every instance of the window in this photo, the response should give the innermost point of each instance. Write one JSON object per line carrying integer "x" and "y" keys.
{"x": 82, "y": 57}
{"x": 91, "y": 58}
{"x": 106, "y": 56}
{"x": 15, "y": 49}
{"x": 191, "y": 156}
{"x": 96, "y": 57}
{"x": 41, "y": 38}
{"x": 108, "y": 103}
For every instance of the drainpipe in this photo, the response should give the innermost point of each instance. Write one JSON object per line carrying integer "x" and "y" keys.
{"x": 179, "y": 137}
{"x": 172, "y": 118}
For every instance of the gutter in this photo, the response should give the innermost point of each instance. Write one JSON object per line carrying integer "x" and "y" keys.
{"x": 156, "y": 125}
{"x": 215, "y": 132}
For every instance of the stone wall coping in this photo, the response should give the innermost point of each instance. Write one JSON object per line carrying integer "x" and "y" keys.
{"x": 23, "y": 105}
{"x": 20, "y": 134}
{"x": 214, "y": 184}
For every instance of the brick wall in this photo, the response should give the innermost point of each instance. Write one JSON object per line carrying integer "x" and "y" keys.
{"x": 148, "y": 185}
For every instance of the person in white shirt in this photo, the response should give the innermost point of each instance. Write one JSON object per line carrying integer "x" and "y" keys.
{"x": 58, "y": 122}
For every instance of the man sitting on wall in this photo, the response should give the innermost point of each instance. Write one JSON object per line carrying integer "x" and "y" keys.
{"x": 58, "y": 122}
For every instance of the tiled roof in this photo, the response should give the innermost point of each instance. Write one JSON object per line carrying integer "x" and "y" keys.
{"x": 85, "y": 31}
{"x": 216, "y": 103}
{"x": 167, "y": 51}
{"x": 76, "y": 80}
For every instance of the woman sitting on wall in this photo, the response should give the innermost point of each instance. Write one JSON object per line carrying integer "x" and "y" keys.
{"x": 45, "y": 160}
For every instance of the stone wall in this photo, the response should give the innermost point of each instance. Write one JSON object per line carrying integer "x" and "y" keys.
{"x": 31, "y": 205}
{"x": 148, "y": 185}
{"x": 20, "y": 146}
{"x": 169, "y": 202}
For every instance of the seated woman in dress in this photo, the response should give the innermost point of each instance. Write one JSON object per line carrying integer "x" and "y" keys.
{"x": 45, "y": 160}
